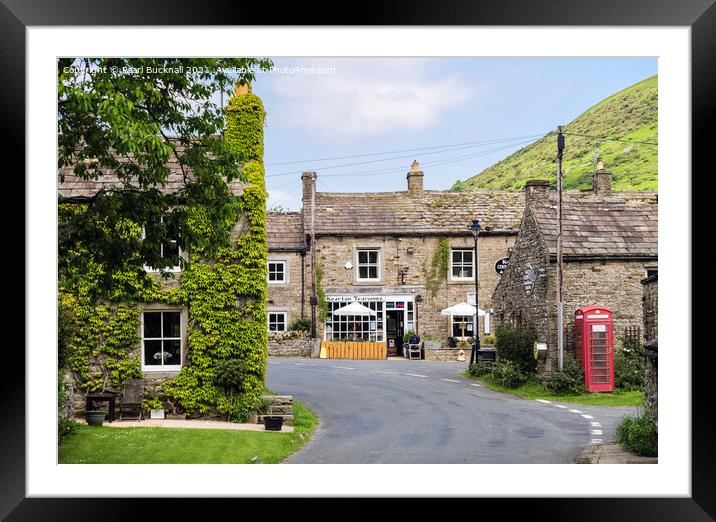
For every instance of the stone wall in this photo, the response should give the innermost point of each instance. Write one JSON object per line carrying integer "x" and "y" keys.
{"x": 290, "y": 344}
{"x": 651, "y": 337}
{"x": 287, "y": 296}
{"x": 513, "y": 301}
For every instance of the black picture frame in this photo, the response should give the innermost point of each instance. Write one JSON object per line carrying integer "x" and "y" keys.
{"x": 17, "y": 15}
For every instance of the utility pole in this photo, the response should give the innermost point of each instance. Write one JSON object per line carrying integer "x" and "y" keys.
{"x": 314, "y": 297}
{"x": 560, "y": 309}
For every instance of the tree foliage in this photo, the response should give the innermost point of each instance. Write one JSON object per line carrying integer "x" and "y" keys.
{"x": 136, "y": 118}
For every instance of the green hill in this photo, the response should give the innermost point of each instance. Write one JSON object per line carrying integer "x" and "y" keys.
{"x": 630, "y": 114}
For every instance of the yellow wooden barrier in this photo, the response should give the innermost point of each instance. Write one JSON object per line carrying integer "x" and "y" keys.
{"x": 354, "y": 350}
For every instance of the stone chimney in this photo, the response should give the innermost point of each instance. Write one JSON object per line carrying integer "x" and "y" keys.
{"x": 601, "y": 180}
{"x": 242, "y": 89}
{"x": 308, "y": 179}
{"x": 536, "y": 191}
{"x": 415, "y": 179}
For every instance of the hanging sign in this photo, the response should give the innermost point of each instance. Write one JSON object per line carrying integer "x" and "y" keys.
{"x": 501, "y": 265}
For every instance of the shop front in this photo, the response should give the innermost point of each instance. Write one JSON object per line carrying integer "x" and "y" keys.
{"x": 393, "y": 316}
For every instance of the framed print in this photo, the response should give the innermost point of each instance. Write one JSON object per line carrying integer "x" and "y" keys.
{"x": 383, "y": 278}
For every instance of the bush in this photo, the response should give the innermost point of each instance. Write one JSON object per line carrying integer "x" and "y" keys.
{"x": 510, "y": 374}
{"x": 300, "y": 325}
{"x": 230, "y": 374}
{"x": 489, "y": 339}
{"x": 629, "y": 366}
{"x": 479, "y": 369}
{"x": 638, "y": 435}
{"x": 570, "y": 381}
{"x": 65, "y": 429}
{"x": 516, "y": 345}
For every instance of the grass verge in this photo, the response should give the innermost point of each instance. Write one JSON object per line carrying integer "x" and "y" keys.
{"x": 105, "y": 445}
{"x": 535, "y": 391}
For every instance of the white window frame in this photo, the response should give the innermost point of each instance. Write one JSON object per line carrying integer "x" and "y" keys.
{"x": 468, "y": 333}
{"x": 277, "y": 312}
{"x": 472, "y": 252}
{"x": 163, "y": 367}
{"x": 377, "y": 264}
{"x": 648, "y": 268}
{"x": 285, "y": 271}
{"x": 174, "y": 269}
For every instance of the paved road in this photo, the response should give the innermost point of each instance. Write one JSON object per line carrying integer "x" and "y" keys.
{"x": 400, "y": 411}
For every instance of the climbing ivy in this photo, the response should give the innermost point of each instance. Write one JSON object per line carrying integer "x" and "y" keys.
{"x": 321, "y": 295}
{"x": 437, "y": 272}
{"x": 224, "y": 289}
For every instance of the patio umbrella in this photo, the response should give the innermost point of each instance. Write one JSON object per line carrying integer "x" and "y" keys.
{"x": 463, "y": 309}
{"x": 354, "y": 309}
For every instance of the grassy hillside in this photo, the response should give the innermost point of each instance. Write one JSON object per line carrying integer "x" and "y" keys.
{"x": 630, "y": 114}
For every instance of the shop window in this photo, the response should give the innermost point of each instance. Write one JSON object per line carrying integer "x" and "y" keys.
{"x": 355, "y": 328}
{"x": 462, "y": 326}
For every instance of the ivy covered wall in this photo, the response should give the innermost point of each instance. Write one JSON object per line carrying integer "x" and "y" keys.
{"x": 224, "y": 292}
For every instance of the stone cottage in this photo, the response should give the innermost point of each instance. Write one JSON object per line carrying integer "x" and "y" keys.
{"x": 405, "y": 255}
{"x": 609, "y": 247}
{"x": 175, "y": 331}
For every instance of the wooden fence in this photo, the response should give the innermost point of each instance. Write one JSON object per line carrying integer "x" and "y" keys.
{"x": 353, "y": 350}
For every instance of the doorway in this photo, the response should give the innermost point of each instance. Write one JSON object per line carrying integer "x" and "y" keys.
{"x": 395, "y": 328}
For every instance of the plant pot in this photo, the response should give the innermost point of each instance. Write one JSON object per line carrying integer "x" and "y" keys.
{"x": 94, "y": 418}
{"x": 273, "y": 422}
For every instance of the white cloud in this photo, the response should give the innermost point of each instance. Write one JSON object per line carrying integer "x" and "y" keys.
{"x": 364, "y": 97}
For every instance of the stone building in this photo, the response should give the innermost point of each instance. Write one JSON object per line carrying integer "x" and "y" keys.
{"x": 609, "y": 246}
{"x": 651, "y": 347}
{"x": 406, "y": 255}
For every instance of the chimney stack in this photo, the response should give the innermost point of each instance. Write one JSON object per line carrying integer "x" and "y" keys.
{"x": 415, "y": 179}
{"x": 536, "y": 191}
{"x": 308, "y": 179}
{"x": 601, "y": 180}
{"x": 244, "y": 88}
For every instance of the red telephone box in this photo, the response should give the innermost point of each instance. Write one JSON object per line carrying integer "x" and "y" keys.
{"x": 594, "y": 346}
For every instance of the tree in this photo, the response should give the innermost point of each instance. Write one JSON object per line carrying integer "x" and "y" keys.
{"x": 132, "y": 118}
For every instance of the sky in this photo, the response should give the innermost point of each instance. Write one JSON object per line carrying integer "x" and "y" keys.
{"x": 455, "y": 116}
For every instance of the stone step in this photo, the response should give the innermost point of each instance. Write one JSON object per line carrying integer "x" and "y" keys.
{"x": 287, "y": 419}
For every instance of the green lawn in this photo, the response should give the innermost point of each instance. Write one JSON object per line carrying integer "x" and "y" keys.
{"x": 536, "y": 391}
{"x": 105, "y": 445}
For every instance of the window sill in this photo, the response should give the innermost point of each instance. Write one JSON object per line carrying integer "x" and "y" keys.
{"x": 160, "y": 369}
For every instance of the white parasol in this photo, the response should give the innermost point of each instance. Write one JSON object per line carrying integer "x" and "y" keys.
{"x": 462, "y": 309}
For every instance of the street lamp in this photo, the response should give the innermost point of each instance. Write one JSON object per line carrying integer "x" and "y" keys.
{"x": 475, "y": 229}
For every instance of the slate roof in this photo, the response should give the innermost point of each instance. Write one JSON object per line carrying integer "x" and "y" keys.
{"x": 623, "y": 224}
{"x": 432, "y": 212}
{"x": 284, "y": 231}
{"x": 73, "y": 186}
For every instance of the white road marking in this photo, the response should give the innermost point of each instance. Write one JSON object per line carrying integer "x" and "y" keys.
{"x": 596, "y": 424}
{"x": 575, "y": 411}
{"x": 449, "y": 380}
{"x": 560, "y": 406}
{"x": 414, "y": 375}
{"x": 300, "y": 364}
{"x": 597, "y": 441}
{"x": 478, "y": 385}
{"x": 387, "y": 373}
{"x": 596, "y": 432}
{"x": 587, "y": 416}
{"x": 544, "y": 401}
{"x": 344, "y": 367}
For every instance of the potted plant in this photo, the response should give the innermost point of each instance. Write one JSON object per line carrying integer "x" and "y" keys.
{"x": 94, "y": 417}
{"x": 156, "y": 408}
{"x": 271, "y": 422}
